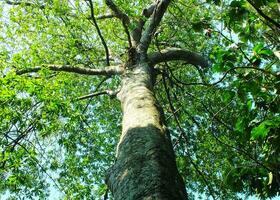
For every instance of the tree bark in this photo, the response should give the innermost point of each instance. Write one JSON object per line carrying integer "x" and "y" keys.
{"x": 107, "y": 71}
{"x": 145, "y": 166}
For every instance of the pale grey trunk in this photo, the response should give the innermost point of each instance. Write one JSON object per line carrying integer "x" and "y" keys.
{"x": 145, "y": 167}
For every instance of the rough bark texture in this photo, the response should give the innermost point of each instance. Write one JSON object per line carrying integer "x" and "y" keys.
{"x": 145, "y": 167}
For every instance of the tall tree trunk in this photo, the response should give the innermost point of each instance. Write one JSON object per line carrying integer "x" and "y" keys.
{"x": 145, "y": 166}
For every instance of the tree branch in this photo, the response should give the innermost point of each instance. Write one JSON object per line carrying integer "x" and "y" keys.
{"x": 99, "y": 33}
{"x": 261, "y": 13}
{"x": 182, "y": 132}
{"x": 108, "y": 71}
{"x": 155, "y": 19}
{"x": 137, "y": 32}
{"x": 97, "y": 88}
{"x": 118, "y": 13}
{"x": 122, "y": 16}
{"x": 201, "y": 174}
{"x": 170, "y": 54}
{"x": 107, "y": 92}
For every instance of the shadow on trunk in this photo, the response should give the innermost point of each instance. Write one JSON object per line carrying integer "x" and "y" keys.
{"x": 145, "y": 167}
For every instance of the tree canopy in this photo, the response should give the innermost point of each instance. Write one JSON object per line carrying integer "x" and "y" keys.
{"x": 60, "y": 69}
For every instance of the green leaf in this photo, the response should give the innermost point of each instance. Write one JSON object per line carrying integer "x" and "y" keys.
{"x": 240, "y": 125}
{"x": 260, "y": 131}
{"x": 258, "y": 48}
{"x": 228, "y": 95}
{"x": 250, "y": 104}
{"x": 266, "y": 52}
{"x": 270, "y": 178}
{"x": 263, "y": 129}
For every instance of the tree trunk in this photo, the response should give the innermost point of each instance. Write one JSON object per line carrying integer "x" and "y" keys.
{"x": 145, "y": 166}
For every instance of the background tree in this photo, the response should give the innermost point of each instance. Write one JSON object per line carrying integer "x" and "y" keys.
{"x": 223, "y": 119}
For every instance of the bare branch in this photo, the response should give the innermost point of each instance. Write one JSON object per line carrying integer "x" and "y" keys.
{"x": 108, "y": 71}
{"x": 155, "y": 19}
{"x": 170, "y": 54}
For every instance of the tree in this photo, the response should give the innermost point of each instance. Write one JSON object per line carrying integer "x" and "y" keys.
{"x": 210, "y": 116}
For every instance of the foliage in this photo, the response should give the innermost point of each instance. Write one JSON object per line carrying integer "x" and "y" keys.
{"x": 224, "y": 120}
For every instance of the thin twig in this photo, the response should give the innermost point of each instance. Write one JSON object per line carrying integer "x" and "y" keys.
{"x": 200, "y": 173}
{"x": 225, "y": 75}
{"x": 108, "y": 92}
{"x": 99, "y": 33}
{"x": 96, "y": 89}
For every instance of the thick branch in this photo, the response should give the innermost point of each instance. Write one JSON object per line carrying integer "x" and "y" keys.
{"x": 154, "y": 22}
{"x": 137, "y": 32}
{"x": 177, "y": 54}
{"x": 108, "y": 71}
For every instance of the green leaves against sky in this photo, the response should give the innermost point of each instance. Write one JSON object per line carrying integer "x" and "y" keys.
{"x": 226, "y": 136}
